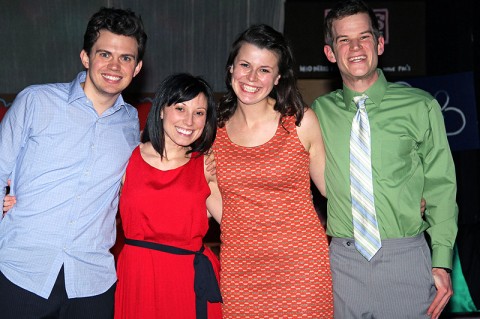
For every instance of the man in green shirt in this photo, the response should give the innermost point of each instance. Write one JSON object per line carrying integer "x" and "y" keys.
{"x": 410, "y": 158}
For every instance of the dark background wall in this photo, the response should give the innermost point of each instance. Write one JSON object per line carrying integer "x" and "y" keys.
{"x": 41, "y": 39}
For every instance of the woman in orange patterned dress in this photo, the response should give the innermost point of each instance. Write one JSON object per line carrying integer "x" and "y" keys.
{"x": 274, "y": 253}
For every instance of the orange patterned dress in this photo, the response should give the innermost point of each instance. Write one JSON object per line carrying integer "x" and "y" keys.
{"x": 274, "y": 252}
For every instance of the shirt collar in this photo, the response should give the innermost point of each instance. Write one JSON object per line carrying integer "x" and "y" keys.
{"x": 76, "y": 92}
{"x": 375, "y": 93}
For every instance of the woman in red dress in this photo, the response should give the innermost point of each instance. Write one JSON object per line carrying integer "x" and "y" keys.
{"x": 164, "y": 270}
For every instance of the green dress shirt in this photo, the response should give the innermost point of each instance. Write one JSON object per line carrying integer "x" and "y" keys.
{"x": 411, "y": 159}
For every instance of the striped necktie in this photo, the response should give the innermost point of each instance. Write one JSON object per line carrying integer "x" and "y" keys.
{"x": 365, "y": 226}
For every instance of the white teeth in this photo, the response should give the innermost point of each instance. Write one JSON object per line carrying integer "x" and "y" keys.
{"x": 356, "y": 59}
{"x": 250, "y": 89}
{"x": 112, "y": 78}
{"x": 184, "y": 131}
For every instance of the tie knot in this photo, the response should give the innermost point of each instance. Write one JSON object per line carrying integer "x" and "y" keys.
{"x": 360, "y": 101}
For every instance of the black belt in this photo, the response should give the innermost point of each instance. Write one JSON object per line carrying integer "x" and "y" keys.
{"x": 205, "y": 283}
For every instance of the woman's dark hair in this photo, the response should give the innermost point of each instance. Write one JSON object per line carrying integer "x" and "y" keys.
{"x": 178, "y": 88}
{"x": 117, "y": 21}
{"x": 288, "y": 98}
{"x": 348, "y": 8}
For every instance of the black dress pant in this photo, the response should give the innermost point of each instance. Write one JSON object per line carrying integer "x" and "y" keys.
{"x": 18, "y": 303}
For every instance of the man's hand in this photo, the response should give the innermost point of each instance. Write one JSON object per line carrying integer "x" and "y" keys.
{"x": 9, "y": 200}
{"x": 8, "y": 203}
{"x": 423, "y": 205}
{"x": 210, "y": 163}
{"x": 443, "y": 283}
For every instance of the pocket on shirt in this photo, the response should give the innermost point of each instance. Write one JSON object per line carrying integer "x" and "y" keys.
{"x": 396, "y": 158}
{"x": 47, "y": 148}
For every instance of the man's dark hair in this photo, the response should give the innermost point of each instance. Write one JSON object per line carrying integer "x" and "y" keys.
{"x": 347, "y": 8}
{"x": 117, "y": 21}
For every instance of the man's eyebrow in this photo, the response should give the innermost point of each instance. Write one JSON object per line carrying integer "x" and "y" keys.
{"x": 102, "y": 50}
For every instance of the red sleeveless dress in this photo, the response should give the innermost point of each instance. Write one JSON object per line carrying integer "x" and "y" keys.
{"x": 274, "y": 251}
{"x": 166, "y": 207}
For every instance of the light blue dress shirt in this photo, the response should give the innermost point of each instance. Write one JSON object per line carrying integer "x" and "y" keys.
{"x": 66, "y": 163}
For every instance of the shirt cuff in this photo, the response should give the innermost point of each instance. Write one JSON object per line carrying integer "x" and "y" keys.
{"x": 442, "y": 257}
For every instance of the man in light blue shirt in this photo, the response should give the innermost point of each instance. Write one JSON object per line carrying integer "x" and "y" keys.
{"x": 65, "y": 147}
